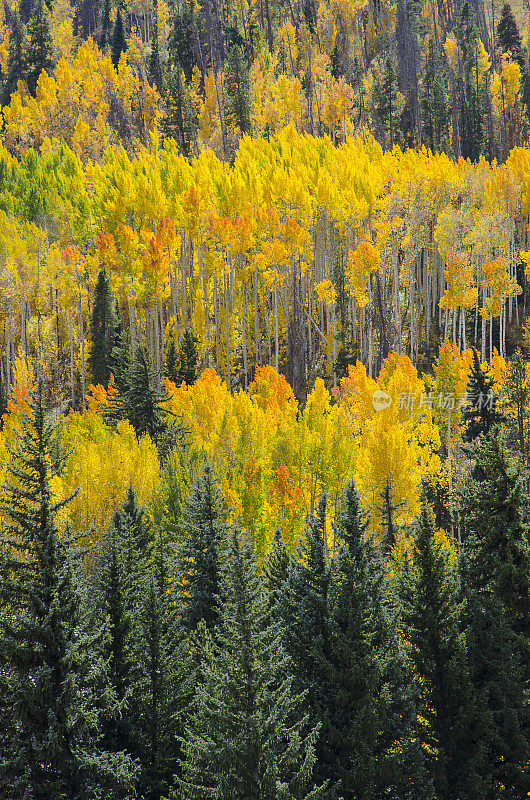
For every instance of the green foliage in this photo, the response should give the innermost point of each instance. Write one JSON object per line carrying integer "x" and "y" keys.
{"x": 237, "y": 89}
{"x": 508, "y": 35}
{"x": 434, "y": 106}
{"x": 178, "y": 120}
{"x": 102, "y": 332}
{"x": 248, "y": 736}
{"x": 385, "y": 101}
{"x": 55, "y": 678}
{"x": 40, "y": 45}
{"x": 118, "y": 42}
{"x": 187, "y": 359}
{"x": 480, "y": 413}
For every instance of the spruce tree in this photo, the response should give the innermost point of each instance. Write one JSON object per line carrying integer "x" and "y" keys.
{"x": 187, "y": 359}
{"x": 509, "y": 37}
{"x": 104, "y": 34}
{"x": 434, "y": 107}
{"x": 387, "y": 511}
{"x": 178, "y": 120}
{"x": 118, "y": 42}
{"x": 120, "y": 354}
{"x": 171, "y": 361}
{"x": 237, "y": 88}
{"x": 140, "y": 402}
{"x": 55, "y": 679}
{"x": 496, "y": 578}
{"x": 471, "y": 103}
{"x": 366, "y": 746}
{"x": 199, "y": 553}
{"x": 180, "y": 39}
{"x": 516, "y": 397}
{"x": 101, "y": 331}
{"x": 385, "y": 99}
{"x": 276, "y": 566}
{"x": 248, "y": 736}
{"x": 167, "y": 679}
{"x": 40, "y": 45}
{"x": 438, "y": 654}
{"x": 480, "y": 413}
{"x": 155, "y": 69}
{"x": 16, "y": 65}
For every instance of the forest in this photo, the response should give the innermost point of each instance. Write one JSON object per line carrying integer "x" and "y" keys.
{"x": 264, "y": 400}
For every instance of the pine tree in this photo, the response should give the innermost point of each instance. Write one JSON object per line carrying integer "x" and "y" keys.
{"x": 118, "y": 42}
{"x": 516, "y": 396}
{"x": 101, "y": 332}
{"x": 187, "y": 359}
{"x": 171, "y": 361}
{"x": 40, "y": 45}
{"x": 155, "y": 69}
{"x": 55, "y": 679}
{"x": 276, "y": 566}
{"x": 180, "y": 39}
{"x": 199, "y": 554}
{"x": 120, "y": 355}
{"x": 471, "y": 104}
{"x": 496, "y": 577}
{"x": 385, "y": 99}
{"x": 434, "y": 107}
{"x": 140, "y": 402}
{"x": 104, "y": 35}
{"x": 480, "y": 414}
{"x": 438, "y": 655}
{"x": 388, "y": 513}
{"x": 509, "y": 37}
{"x": 237, "y": 88}
{"x": 367, "y": 711}
{"x": 178, "y": 120}
{"x": 16, "y": 65}
{"x": 248, "y": 737}
{"x": 167, "y": 680}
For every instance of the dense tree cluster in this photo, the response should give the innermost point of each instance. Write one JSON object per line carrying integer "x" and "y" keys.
{"x": 175, "y": 664}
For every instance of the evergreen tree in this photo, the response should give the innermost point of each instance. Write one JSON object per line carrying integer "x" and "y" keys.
{"x": 118, "y": 42}
{"x": 104, "y": 35}
{"x": 367, "y": 711}
{"x": 55, "y": 679}
{"x": 155, "y": 69}
{"x": 385, "y": 100}
{"x": 178, "y": 120}
{"x": 388, "y": 513}
{"x": 237, "y": 88}
{"x": 248, "y": 737}
{"x": 471, "y": 103}
{"x": 16, "y": 65}
{"x": 480, "y": 413}
{"x": 171, "y": 361}
{"x": 200, "y": 552}
{"x": 276, "y": 566}
{"x": 140, "y": 402}
{"x": 438, "y": 655}
{"x": 180, "y": 39}
{"x": 496, "y": 577}
{"x": 187, "y": 359}
{"x": 434, "y": 107}
{"x": 101, "y": 332}
{"x": 120, "y": 354}
{"x": 509, "y": 37}
{"x": 516, "y": 396}
{"x": 40, "y": 45}
{"x": 166, "y": 681}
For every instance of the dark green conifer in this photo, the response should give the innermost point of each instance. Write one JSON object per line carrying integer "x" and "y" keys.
{"x": 471, "y": 92}
{"x": 385, "y": 98}
{"x": 509, "y": 37}
{"x": 248, "y": 736}
{"x": 101, "y": 332}
{"x": 104, "y": 34}
{"x": 178, "y": 120}
{"x": 367, "y": 744}
{"x": 434, "y": 106}
{"x": 40, "y": 45}
{"x": 140, "y": 402}
{"x": 118, "y": 42}
{"x": 187, "y": 359}
{"x": 55, "y": 679}
{"x": 516, "y": 396}
{"x": 155, "y": 68}
{"x": 171, "y": 365}
{"x": 276, "y": 566}
{"x": 388, "y": 511}
{"x": 120, "y": 355}
{"x": 480, "y": 413}
{"x": 237, "y": 88}
{"x": 448, "y": 733}
{"x": 16, "y": 65}
{"x": 200, "y": 554}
